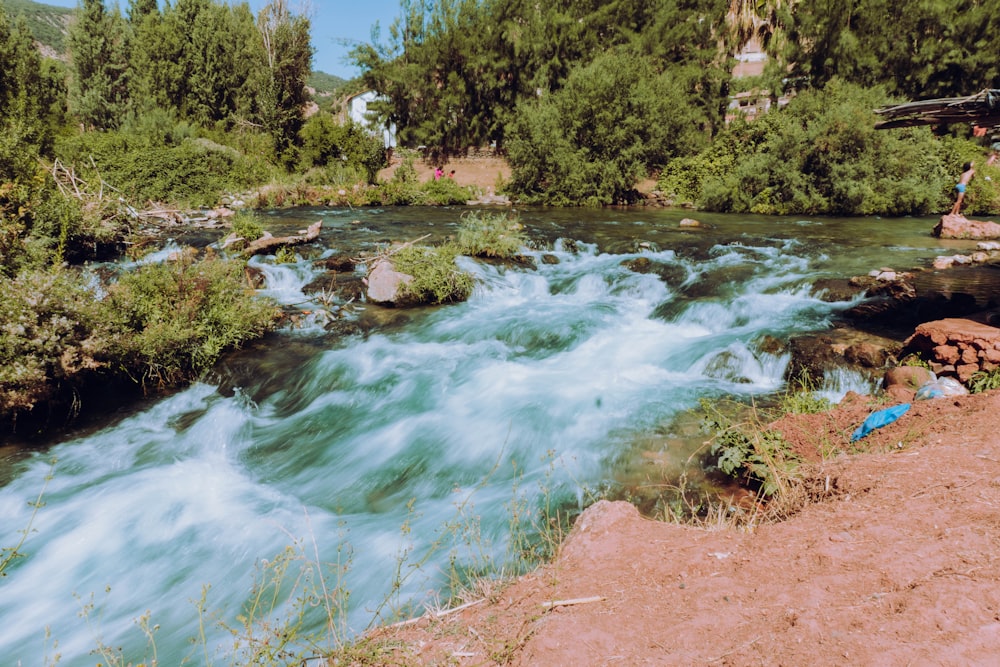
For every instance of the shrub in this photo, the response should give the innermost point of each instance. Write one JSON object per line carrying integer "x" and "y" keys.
{"x": 47, "y": 317}
{"x": 195, "y": 172}
{"x": 169, "y": 322}
{"x": 819, "y": 155}
{"x": 324, "y": 142}
{"x": 436, "y": 277}
{"x": 488, "y": 234}
{"x": 443, "y": 192}
{"x": 615, "y": 120}
{"x": 984, "y": 381}
{"x": 247, "y": 225}
{"x": 750, "y": 452}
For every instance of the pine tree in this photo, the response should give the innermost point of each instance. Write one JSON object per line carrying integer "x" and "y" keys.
{"x": 99, "y": 49}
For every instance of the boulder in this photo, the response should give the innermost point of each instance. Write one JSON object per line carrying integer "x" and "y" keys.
{"x": 960, "y": 227}
{"x": 909, "y": 377}
{"x": 385, "y": 282}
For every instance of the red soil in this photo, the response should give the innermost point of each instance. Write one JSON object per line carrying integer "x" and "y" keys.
{"x": 892, "y": 559}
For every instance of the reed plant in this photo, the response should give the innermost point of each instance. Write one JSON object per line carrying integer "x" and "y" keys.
{"x": 9, "y": 555}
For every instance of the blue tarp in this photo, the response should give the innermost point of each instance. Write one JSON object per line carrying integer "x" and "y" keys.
{"x": 878, "y": 419}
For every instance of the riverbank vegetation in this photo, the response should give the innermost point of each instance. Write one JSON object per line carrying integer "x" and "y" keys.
{"x": 588, "y": 99}
{"x": 196, "y": 101}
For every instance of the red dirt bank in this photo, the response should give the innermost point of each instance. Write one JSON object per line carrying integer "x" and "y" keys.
{"x": 894, "y": 559}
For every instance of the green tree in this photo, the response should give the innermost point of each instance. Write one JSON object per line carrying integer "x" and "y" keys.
{"x": 915, "y": 48}
{"x": 31, "y": 104}
{"x": 819, "y": 155}
{"x": 217, "y": 62}
{"x": 139, "y": 9}
{"x": 99, "y": 49}
{"x": 453, "y": 71}
{"x": 590, "y": 141}
{"x": 287, "y": 60}
{"x": 157, "y": 63}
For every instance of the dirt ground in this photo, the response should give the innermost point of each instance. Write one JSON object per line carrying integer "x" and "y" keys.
{"x": 894, "y": 559}
{"x": 483, "y": 172}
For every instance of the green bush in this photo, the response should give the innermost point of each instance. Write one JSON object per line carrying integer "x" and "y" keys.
{"x": 169, "y": 322}
{"x": 47, "y": 317}
{"x": 748, "y": 450}
{"x": 195, "y": 172}
{"x": 443, "y": 192}
{"x": 819, "y": 155}
{"x": 615, "y": 120}
{"x": 489, "y": 234}
{"x": 984, "y": 381}
{"x": 247, "y": 225}
{"x": 436, "y": 277}
{"x": 324, "y": 142}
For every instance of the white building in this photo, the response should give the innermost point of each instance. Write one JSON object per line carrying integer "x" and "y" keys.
{"x": 357, "y": 111}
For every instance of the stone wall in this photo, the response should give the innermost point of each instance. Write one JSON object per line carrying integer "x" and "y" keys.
{"x": 957, "y": 347}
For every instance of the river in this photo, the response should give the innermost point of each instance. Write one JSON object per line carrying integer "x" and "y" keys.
{"x": 392, "y": 456}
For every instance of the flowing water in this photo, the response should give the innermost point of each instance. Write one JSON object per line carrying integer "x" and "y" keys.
{"x": 362, "y": 449}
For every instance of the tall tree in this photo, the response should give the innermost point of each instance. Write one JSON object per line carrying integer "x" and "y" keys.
{"x": 916, "y": 48}
{"x": 760, "y": 20}
{"x": 218, "y": 65}
{"x": 29, "y": 97}
{"x": 98, "y": 45}
{"x": 288, "y": 60}
{"x": 139, "y": 9}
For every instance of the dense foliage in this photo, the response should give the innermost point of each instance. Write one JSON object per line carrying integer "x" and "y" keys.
{"x": 166, "y": 322}
{"x": 205, "y": 62}
{"x": 589, "y": 97}
{"x": 821, "y": 154}
{"x": 161, "y": 324}
{"x": 181, "y": 102}
{"x": 915, "y": 48}
{"x": 590, "y": 141}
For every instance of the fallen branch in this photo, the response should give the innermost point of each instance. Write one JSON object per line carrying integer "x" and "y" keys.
{"x": 268, "y": 241}
{"x": 437, "y": 614}
{"x": 389, "y": 252}
{"x": 552, "y": 604}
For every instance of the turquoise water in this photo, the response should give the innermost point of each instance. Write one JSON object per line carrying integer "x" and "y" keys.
{"x": 360, "y": 451}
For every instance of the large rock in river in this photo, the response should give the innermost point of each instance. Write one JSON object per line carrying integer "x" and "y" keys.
{"x": 960, "y": 227}
{"x": 385, "y": 283}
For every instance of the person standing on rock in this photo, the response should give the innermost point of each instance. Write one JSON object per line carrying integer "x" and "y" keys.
{"x": 967, "y": 173}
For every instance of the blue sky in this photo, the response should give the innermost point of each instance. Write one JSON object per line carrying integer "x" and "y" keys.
{"x": 334, "y": 22}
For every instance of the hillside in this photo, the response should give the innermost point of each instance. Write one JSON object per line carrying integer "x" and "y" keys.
{"x": 48, "y": 24}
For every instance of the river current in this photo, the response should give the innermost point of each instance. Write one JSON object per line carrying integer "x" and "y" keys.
{"x": 365, "y": 452}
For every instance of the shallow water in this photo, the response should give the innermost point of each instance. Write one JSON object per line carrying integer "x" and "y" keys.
{"x": 361, "y": 450}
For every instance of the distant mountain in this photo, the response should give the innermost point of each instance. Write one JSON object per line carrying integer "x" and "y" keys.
{"x": 49, "y": 25}
{"x": 325, "y": 83}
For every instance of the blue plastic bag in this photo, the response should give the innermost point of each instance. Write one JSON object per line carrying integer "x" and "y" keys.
{"x": 878, "y": 419}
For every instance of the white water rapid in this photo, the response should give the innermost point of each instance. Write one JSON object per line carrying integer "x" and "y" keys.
{"x": 364, "y": 449}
